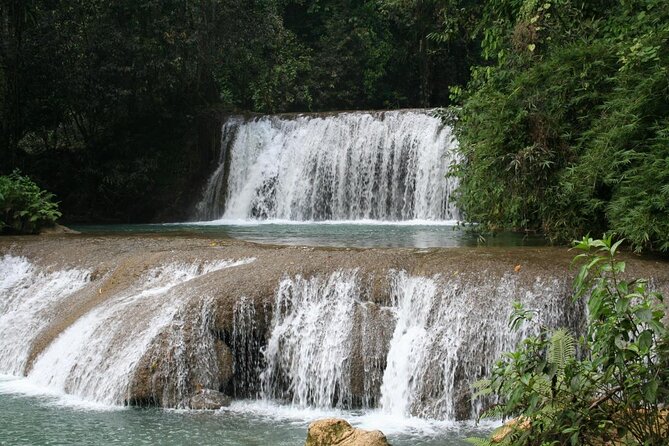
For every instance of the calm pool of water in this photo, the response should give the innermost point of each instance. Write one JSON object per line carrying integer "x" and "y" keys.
{"x": 335, "y": 234}
{"x": 30, "y": 418}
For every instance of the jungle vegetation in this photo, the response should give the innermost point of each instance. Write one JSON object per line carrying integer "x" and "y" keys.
{"x": 562, "y": 104}
{"x": 608, "y": 386}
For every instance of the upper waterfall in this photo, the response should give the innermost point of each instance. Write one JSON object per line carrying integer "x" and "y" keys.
{"x": 388, "y": 165}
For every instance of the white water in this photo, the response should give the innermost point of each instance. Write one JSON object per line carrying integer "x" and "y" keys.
{"x": 96, "y": 356}
{"x": 246, "y": 345}
{"x": 308, "y": 352}
{"x": 444, "y": 334}
{"x": 446, "y": 337}
{"x": 326, "y": 344}
{"x": 28, "y": 296}
{"x": 347, "y": 166}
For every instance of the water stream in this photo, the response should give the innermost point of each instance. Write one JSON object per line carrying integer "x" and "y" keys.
{"x": 321, "y": 343}
{"x": 346, "y": 166}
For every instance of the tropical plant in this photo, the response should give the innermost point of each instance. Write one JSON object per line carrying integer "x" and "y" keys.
{"x": 608, "y": 385}
{"x": 24, "y": 207}
{"x": 564, "y": 131}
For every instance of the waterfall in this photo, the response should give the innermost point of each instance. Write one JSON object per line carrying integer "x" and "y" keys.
{"x": 96, "y": 356}
{"x": 388, "y": 165}
{"x": 28, "y": 297}
{"x": 446, "y": 337}
{"x": 442, "y": 334}
{"x": 407, "y": 345}
{"x": 246, "y": 343}
{"x": 308, "y": 352}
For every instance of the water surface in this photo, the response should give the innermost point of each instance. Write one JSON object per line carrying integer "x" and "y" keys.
{"x": 30, "y": 417}
{"x": 355, "y": 234}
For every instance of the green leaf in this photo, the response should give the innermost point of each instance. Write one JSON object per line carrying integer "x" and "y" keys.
{"x": 650, "y": 391}
{"x": 645, "y": 341}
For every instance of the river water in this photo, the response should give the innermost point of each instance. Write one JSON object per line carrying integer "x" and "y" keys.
{"x": 360, "y": 234}
{"x": 352, "y": 180}
{"x": 31, "y": 416}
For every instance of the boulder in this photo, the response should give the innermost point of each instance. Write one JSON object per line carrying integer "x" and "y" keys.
{"x": 337, "y": 432}
{"x": 208, "y": 399}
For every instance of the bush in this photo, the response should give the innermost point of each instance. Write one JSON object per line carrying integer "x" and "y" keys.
{"x": 610, "y": 386}
{"x": 24, "y": 207}
{"x": 566, "y": 133}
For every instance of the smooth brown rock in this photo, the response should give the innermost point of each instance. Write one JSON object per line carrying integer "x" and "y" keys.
{"x": 337, "y": 432}
{"x": 208, "y": 399}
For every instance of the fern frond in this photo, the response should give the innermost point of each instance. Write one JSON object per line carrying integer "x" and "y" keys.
{"x": 541, "y": 385}
{"x": 479, "y": 441}
{"x": 562, "y": 349}
{"x": 497, "y": 411}
{"x": 482, "y": 387}
{"x": 481, "y": 383}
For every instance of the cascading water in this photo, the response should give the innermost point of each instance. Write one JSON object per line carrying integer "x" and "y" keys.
{"x": 246, "y": 343}
{"x": 315, "y": 355}
{"x": 447, "y": 334}
{"x": 308, "y": 352}
{"x": 446, "y": 338}
{"x": 347, "y": 166}
{"x": 96, "y": 356}
{"x": 410, "y": 348}
{"x": 28, "y": 298}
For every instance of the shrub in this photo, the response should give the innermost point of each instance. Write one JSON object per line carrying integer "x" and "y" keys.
{"x": 565, "y": 131}
{"x": 609, "y": 386}
{"x": 24, "y": 207}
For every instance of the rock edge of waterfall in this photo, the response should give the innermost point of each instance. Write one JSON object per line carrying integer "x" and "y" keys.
{"x": 407, "y": 330}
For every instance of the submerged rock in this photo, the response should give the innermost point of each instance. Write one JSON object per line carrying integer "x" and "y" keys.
{"x": 57, "y": 229}
{"x": 208, "y": 399}
{"x": 337, "y": 432}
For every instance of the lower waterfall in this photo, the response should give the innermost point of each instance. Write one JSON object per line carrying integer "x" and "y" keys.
{"x": 28, "y": 297}
{"x": 311, "y": 352}
{"x": 328, "y": 347}
{"x": 96, "y": 356}
{"x": 406, "y": 345}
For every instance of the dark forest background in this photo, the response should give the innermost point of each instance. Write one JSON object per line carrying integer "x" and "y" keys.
{"x": 115, "y": 106}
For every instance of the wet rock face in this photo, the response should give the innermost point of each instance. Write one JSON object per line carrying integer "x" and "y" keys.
{"x": 450, "y": 304}
{"x": 207, "y": 399}
{"x": 337, "y": 432}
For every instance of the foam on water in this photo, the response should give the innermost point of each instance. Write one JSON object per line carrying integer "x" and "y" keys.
{"x": 15, "y": 385}
{"x": 28, "y": 296}
{"x": 346, "y": 166}
{"x": 361, "y": 222}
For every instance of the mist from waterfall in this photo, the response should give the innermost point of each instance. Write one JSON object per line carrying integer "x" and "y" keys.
{"x": 389, "y": 165}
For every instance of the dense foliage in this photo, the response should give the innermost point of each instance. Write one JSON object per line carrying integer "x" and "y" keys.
{"x": 24, "y": 207}
{"x": 102, "y": 101}
{"x": 563, "y": 104}
{"x": 567, "y": 129}
{"x": 609, "y": 386}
